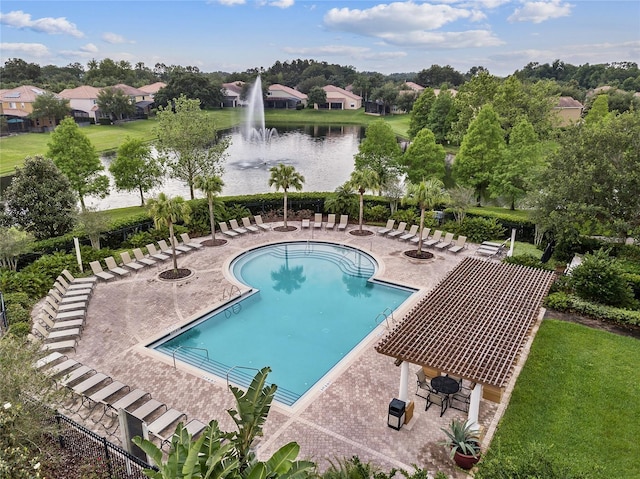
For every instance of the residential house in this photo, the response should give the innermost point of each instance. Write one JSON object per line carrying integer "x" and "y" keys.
{"x": 413, "y": 87}
{"x": 17, "y": 105}
{"x": 142, "y": 99}
{"x": 83, "y": 101}
{"x": 567, "y": 112}
{"x": 340, "y": 99}
{"x": 153, "y": 88}
{"x": 232, "y": 93}
{"x": 280, "y": 96}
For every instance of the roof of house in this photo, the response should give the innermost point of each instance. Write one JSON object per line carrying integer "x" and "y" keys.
{"x": 568, "y": 102}
{"x": 437, "y": 91}
{"x": 235, "y": 87}
{"x": 414, "y": 86}
{"x": 83, "y": 92}
{"x": 337, "y": 89}
{"x": 288, "y": 91}
{"x": 153, "y": 88}
{"x": 24, "y": 93}
{"x": 474, "y": 323}
{"x": 14, "y": 112}
{"x": 129, "y": 90}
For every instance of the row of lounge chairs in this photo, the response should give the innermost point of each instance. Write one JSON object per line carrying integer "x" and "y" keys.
{"x": 94, "y": 390}
{"x": 492, "y": 249}
{"x": 234, "y": 229}
{"x": 436, "y": 241}
{"x": 318, "y": 222}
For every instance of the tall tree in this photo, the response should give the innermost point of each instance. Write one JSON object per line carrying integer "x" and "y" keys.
{"x": 76, "y": 157}
{"x": 387, "y": 94}
{"x": 442, "y": 116}
{"x": 379, "y": 151}
{"x": 210, "y": 186}
{"x": 285, "y": 177}
{"x": 480, "y": 152}
{"x": 135, "y": 168}
{"x": 115, "y": 103}
{"x": 436, "y": 75}
{"x": 362, "y": 180}
{"x": 193, "y": 85}
{"x": 188, "y": 141}
{"x": 14, "y": 242}
{"x": 598, "y": 112}
{"x": 519, "y": 166}
{"x": 471, "y": 97}
{"x": 426, "y": 195}
{"x": 40, "y": 199}
{"x": 168, "y": 211}
{"x": 419, "y": 116}
{"x": 317, "y": 96}
{"x": 51, "y": 107}
{"x": 424, "y": 158}
{"x": 93, "y": 223}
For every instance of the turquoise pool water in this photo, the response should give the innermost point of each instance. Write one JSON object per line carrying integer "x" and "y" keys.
{"x": 312, "y": 304}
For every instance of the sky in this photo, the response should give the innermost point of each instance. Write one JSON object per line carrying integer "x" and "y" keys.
{"x": 386, "y": 37}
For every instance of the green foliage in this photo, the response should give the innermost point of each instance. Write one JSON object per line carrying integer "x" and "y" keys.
{"x": 633, "y": 280}
{"x": 527, "y": 260}
{"x": 342, "y": 201}
{"x": 476, "y": 229}
{"x": 409, "y": 216}
{"x": 35, "y": 285}
{"x": 558, "y": 301}
{"x": 116, "y": 103}
{"x": 600, "y": 279}
{"x": 49, "y": 106}
{"x": 93, "y": 223}
{"x": 424, "y": 159}
{"x": 284, "y": 177}
{"x": 572, "y": 304}
{"x": 19, "y": 298}
{"x": 139, "y": 239}
{"x": 51, "y": 265}
{"x": 376, "y": 213}
{"x": 462, "y": 437}
{"x": 77, "y": 158}
{"x": 379, "y": 151}
{"x": 40, "y": 199}
{"x": 598, "y": 112}
{"x": 20, "y": 330}
{"x": 17, "y": 314}
{"x": 13, "y": 243}
{"x": 236, "y": 211}
{"x": 134, "y": 168}
{"x": 362, "y": 180}
{"x": 442, "y": 116}
{"x": 421, "y": 111}
{"x": 212, "y": 187}
{"x": 354, "y": 468}
{"x": 471, "y": 97}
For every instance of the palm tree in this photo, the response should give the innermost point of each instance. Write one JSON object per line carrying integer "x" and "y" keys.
{"x": 167, "y": 211}
{"x": 211, "y": 186}
{"x": 285, "y": 177}
{"x": 362, "y": 180}
{"x": 426, "y": 194}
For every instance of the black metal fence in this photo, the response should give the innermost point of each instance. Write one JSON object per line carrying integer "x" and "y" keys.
{"x": 4, "y": 324}
{"x": 107, "y": 459}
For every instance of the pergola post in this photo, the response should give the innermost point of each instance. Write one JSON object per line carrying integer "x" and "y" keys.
{"x": 403, "y": 393}
{"x": 474, "y": 406}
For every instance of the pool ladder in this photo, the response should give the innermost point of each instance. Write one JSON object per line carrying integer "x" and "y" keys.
{"x": 186, "y": 347}
{"x": 231, "y": 292}
{"x": 385, "y": 315}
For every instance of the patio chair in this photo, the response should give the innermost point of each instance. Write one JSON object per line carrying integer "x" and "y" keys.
{"x": 141, "y": 258}
{"x": 160, "y": 424}
{"x": 127, "y": 262}
{"x": 184, "y": 248}
{"x": 52, "y": 325}
{"x": 148, "y": 408}
{"x": 155, "y": 254}
{"x": 61, "y": 345}
{"x": 74, "y": 286}
{"x": 90, "y": 280}
{"x": 344, "y": 220}
{"x": 99, "y": 272}
{"x": 397, "y": 232}
{"x": 195, "y": 427}
{"x": 166, "y": 249}
{"x": 459, "y": 245}
{"x": 48, "y": 336}
{"x": 411, "y": 234}
{"x": 425, "y": 234}
{"x": 441, "y": 400}
{"x": 447, "y": 241}
{"x": 80, "y": 298}
{"x": 237, "y": 228}
{"x": 64, "y": 315}
{"x": 435, "y": 239}
{"x": 422, "y": 383}
{"x": 305, "y": 223}
{"x": 114, "y": 268}
{"x": 80, "y": 305}
{"x": 246, "y": 222}
{"x": 224, "y": 229}
{"x": 317, "y": 221}
{"x": 260, "y": 224}
{"x": 127, "y": 400}
{"x": 187, "y": 241}
{"x": 331, "y": 222}
{"x": 388, "y": 228}
{"x": 64, "y": 291}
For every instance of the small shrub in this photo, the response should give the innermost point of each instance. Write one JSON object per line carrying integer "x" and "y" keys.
{"x": 527, "y": 260}
{"x": 139, "y": 240}
{"x": 20, "y": 330}
{"x": 409, "y": 216}
{"x": 17, "y": 314}
{"x": 35, "y": 285}
{"x": 559, "y": 301}
{"x": 574, "y": 304}
{"x": 562, "y": 283}
{"x": 376, "y": 213}
{"x": 51, "y": 265}
{"x": 20, "y": 298}
{"x": 478, "y": 230}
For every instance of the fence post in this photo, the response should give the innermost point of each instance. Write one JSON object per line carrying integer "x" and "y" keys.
{"x": 107, "y": 457}
{"x": 60, "y": 438}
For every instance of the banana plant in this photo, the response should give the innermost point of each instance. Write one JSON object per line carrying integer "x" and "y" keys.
{"x": 282, "y": 465}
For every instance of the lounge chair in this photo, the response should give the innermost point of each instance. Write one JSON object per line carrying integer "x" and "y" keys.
{"x": 71, "y": 291}
{"x": 305, "y": 223}
{"x": 260, "y": 224}
{"x": 344, "y": 220}
{"x": 237, "y": 228}
{"x": 195, "y": 427}
{"x": 183, "y": 248}
{"x": 461, "y": 243}
{"x": 317, "y": 221}
{"x": 48, "y": 336}
{"x": 80, "y": 298}
{"x": 441, "y": 400}
{"x": 113, "y": 267}
{"x": 388, "y": 228}
{"x": 52, "y": 325}
{"x": 80, "y": 305}
{"x": 73, "y": 286}
{"x": 90, "y": 280}
{"x": 187, "y": 241}
{"x": 91, "y": 382}
{"x": 99, "y": 272}
{"x": 447, "y": 241}
{"x": 64, "y": 315}
{"x": 435, "y": 239}
{"x": 127, "y": 262}
{"x": 246, "y": 222}
{"x": 155, "y": 254}
{"x": 163, "y": 422}
{"x": 331, "y": 222}
{"x": 425, "y": 235}
{"x": 166, "y": 249}
{"x": 50, "y": 358}
{"x": 127, "y": 400}
{"x": 224, "y": 229}
{"x": 411, "y": 234}
{"x": 103, "y": 394}
{"x": 77, "y": 374}
{"x": 141, "y": 258}
{"x": 397, "y": 232}
{"x": 148, "y": 408}
{"x": 61, "y": 345}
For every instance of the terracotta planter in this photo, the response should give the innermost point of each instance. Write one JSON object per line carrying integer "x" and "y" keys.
{"x": 465, "y": 462}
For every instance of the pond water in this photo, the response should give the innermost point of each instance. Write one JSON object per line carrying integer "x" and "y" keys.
{"x": 322, "y": 154}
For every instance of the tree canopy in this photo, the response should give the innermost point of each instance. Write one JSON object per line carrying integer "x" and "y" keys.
{"x": 50, "y": 106}
{"x": 379, "y": 151}
{"x": 419, "y": 116}
{"x": 115, "y": 103}
{"x": 194, "y": 86}
{"x": 285, "y": 177}
{"x": 134, "y": 168}
{"x": 424, "y": 158}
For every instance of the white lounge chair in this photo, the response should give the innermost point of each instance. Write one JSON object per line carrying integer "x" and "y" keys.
{"x": 127, "y": 262}
{"x": 388, "y": 228}
{"x": 64, "y": 315}
{"x": 411, "y": 234}
{"x": 447, "y": 241}
{"x": 90, "y": 280}
{"x": 435, "y": 239}
{"x": 260, "y": 224}
{"x": 154, "y": 253}
{"x": 189, "y": 242}
{"x": 80, "y": 298}
{"x": 224, "y": 229}
{"x": 74, "y": 286}
{"x": 99, "y": 272}
{"x": 317, "y": 221}
{"x": 166, "y": 249}
{"x": 163, "y": 422}
{"x": 397, "y": 232}
{"x": 52, "y": 325}
{"x": 80, "y": 305}
{"x": 344, "y": 220}
{"x": 237, "y": 228}
{"x": 62, "y": 288}
{"x": 246, "y": 222}
{"x": 141, "y": 258}
{"x": 113, "y": 267}
{"x": 459, "y": 245}
{"x": 305, "y": 223}
{"x": 183, "y": 248}
{"x": 331, "y": 222}
{"x": 425, "y": 234}
{"x": 48, "y": 336}
{"x": 61, "y": 345}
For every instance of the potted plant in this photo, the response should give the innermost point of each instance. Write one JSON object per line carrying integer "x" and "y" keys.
{"x": 463, "y": 442}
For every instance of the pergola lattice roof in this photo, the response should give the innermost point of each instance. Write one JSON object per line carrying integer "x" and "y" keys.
{"x": 474, "y": 323}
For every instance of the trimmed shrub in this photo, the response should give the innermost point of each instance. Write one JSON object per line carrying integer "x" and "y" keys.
{"x": 478, "y": 230}
{"x": 18, "y": 298}
{"x": 17, "y": 314}
{"x": 573, "y": 304}
{"x": 20, "y": 330}
{"x": 376, "y": 213}
{"x": 51, "y": 265}
{"x": 527, "y": 260}
{"x": 559, "y": 301}
{"x": 409, "y": 216}
{"x": 601, "y": 280}
{"x": 633, "y": 280}
{"x": 35, "y": 285}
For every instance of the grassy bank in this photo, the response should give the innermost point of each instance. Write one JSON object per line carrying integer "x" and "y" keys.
{"x": 578, "y": 392}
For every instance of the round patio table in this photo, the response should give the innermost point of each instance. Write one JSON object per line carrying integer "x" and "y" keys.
{"x": 445, "y": 385}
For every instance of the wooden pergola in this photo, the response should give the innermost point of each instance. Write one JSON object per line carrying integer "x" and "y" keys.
{"x": 473, "y": 324}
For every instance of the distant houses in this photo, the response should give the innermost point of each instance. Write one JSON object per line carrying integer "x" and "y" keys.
{"x": 16, "y": 106}
{"x": 280, "y": 96}
{"x": 567, "y": 111}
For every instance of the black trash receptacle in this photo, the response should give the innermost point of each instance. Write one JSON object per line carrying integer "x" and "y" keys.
{"x": 396, "y": 413}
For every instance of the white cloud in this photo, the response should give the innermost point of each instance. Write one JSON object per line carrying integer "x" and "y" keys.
{"x": 538, "y": 12}
{"x": 32, "y": 49}
{"x": 342, "y": 51}
{"x": 114, "y": 38}
{"x": 448, "y": 40}
{"x": 21, "y": 20}
{"x": 89, "y": 48}
{"x": 231, "y": 3}
{"x": 282, "y": 3}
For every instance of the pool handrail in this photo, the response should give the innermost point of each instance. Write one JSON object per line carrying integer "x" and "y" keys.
{"x": 173, "y": 354}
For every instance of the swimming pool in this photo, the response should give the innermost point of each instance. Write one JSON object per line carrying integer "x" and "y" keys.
{"x": 311, "y": 304}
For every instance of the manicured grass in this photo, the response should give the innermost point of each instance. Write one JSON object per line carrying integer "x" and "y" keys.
{"x": 498, "y": 210}
{"x": 118, "y": 214}
{"x": 526, "y": 248}
{"x": 579, "y": 392}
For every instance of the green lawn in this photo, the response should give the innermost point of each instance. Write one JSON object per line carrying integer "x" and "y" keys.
{"x": 579, "y": 391}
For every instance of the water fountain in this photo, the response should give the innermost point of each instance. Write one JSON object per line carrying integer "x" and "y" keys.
{"x": 254, "y": 128}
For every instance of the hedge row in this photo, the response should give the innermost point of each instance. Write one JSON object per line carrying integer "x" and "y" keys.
{"x": 572, "y": 304}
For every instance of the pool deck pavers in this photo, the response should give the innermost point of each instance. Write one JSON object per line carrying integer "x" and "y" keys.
{"x": 344, "y": 417}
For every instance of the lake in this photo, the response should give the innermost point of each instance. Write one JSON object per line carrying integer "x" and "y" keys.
{"x": 324, "y": 155}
